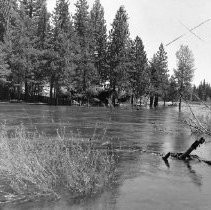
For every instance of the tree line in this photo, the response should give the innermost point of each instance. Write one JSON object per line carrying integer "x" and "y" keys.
{"x": 77, "y": 52}
{"x": 202, "y": 92}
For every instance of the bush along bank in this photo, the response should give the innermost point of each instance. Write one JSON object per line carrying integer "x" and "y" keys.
{"x": 35, "y": 165}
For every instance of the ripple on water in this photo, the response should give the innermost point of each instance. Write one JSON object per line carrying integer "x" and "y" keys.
{"x": 144, "y": 181}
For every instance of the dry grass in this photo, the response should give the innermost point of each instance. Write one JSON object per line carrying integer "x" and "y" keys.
{"x": 198, "y": 118}
{"x": 39, "y": 166}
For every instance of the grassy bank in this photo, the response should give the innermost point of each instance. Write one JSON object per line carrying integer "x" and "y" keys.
{"x": 35, "y": 165}
{"x": 198, "y": 118}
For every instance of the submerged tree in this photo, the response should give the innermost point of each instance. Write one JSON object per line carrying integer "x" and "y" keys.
{"x": 185, "y": 70}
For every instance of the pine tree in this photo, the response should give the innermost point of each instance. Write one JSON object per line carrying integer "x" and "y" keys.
{"x": 195, "y": 94}
{"x": 85, "y": 74}
{"x": 43, "y": 25}
{"x": 24, "y": 45}
{"x": 8, "y": 14}
{"x": 4, "y": 73}
{"x": 138, "y": 69}
{"x": 200, "y": 91}
{"x": 61, "y": 21}
{"x": 42, "y": 44}
{"x": 18, "y": 44}
{"x": 4, "y": 17}
{"x": 204, "y": 85}
{"x": 4, "y": 67}
{"x": 203, "y": 90}
{"x": 61, "y": 54}
{"x": 99, "y": 39}
{"x": 159, "y": 75}
{"x": 117, "y": 50}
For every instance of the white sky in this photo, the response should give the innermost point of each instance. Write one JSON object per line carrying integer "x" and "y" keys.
{"x": 157, "y": 21}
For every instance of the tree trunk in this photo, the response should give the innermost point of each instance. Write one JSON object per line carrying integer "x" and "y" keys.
{"x": 156, "y": 101}
{"x": 184, "y": 155}
{"x": 151, "y": 101}
{"x": 51, "y": 93}
{"x": 26, "y": 90}
{"x": 113, "y": 97}
{"x": 180, "y": 103}
{"x": 56, "y": 96}
{"x": 191, "y": 148}
{"x": 132, "y": 99}
{"x": 84, "y": 80}
{"x": 19, "y": 93}
{"x": 113, "y": 100}
{"x": 164, "y": 100}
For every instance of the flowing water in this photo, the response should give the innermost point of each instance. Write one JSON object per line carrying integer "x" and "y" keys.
{"x": 144, "y": 180}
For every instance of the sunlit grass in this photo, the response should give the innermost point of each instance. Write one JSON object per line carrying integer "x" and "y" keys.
{"x": 35, "y": 165}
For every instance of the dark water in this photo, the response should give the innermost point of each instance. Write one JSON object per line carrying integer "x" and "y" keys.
{"x": 144, "y": 182}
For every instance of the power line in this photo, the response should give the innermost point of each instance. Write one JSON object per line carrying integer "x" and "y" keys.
{"x": 191, "y": 30}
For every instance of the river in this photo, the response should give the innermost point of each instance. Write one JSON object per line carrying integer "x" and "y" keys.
{"x": 144, "y": 181}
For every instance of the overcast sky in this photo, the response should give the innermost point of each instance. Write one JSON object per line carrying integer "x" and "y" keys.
{"x": 157, "y": 21}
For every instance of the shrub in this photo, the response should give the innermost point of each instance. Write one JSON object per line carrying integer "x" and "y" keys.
{"x": 36, "y": 165}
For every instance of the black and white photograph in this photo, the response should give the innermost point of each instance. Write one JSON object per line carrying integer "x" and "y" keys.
{"x": 105, "y": 104}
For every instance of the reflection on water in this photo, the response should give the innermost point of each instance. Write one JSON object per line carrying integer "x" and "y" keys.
{"x": 144, "y": 180}
{"x": 196, "y": 177}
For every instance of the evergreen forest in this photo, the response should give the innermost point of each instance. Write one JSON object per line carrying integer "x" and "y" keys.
{"x": 63, "y": 58}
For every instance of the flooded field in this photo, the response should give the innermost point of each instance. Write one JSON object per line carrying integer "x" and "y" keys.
{"x": 144, "y": 181}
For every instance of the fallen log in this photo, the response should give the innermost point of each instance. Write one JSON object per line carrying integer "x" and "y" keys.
{"x": 186, "y": 154}
{"x": 191, "y": 148}
{"x": 165, "y": 158}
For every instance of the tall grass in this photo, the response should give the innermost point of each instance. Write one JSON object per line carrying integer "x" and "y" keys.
{"x": 36, "y": 165}
{"x": 198, "y": 118}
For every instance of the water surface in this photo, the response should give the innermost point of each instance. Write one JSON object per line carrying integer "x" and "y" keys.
{"x": 144, "y": 182}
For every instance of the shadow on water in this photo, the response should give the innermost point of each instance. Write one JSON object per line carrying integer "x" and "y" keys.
{"x": 143, "y": 181}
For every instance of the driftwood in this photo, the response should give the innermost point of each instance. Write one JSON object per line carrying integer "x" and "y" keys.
{"x": 186, "y": 154}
